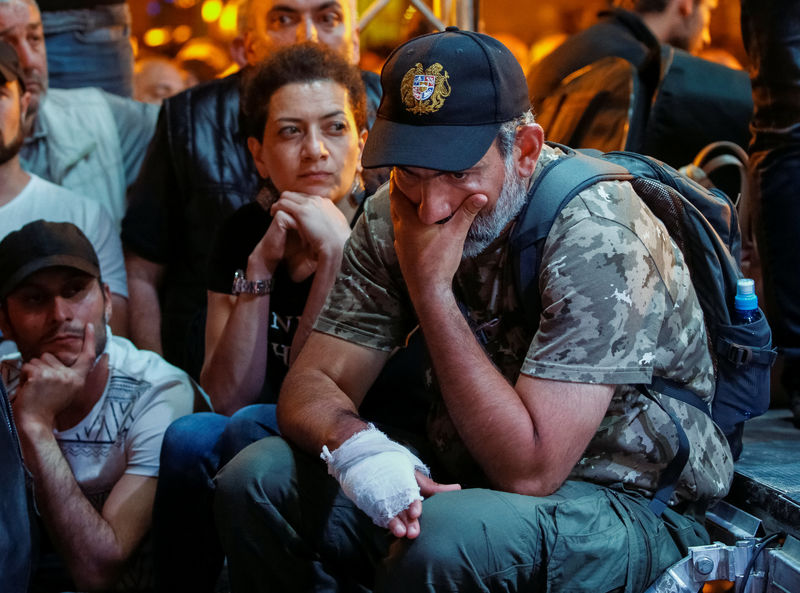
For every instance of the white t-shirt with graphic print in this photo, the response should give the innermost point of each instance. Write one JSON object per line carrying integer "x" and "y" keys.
{"x": 122, "y": 433}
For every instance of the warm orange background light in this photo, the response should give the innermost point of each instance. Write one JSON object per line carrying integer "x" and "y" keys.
{"x": 157, "y": 36}
{"x": 211, "y": 10}
{"x": 718, "y": 586}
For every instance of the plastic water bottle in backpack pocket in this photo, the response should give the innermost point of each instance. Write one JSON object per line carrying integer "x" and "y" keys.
{"x": 744, "y": 358}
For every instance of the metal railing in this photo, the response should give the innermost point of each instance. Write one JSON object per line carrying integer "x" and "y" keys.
{"x": 461, "y": 13}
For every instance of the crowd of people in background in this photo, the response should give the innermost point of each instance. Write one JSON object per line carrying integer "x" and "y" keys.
{"x": 174, "y": 255}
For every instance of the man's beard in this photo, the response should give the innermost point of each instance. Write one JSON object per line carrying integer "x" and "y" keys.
{"x": 488, "y": 225}
{"x": 10, "y": 149}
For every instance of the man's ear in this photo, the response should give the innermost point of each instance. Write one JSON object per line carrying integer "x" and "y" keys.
{"x": 107, "y": 301}
{"x": 250, "y": 51}
{"x": 254, "y": 146}
{"x": 686, "y": 7}
{"x": 238, "y": 51}
{"x": 362, "y": 140}
{"x": 527, "y": 147}
{"x": 24, "y": 103}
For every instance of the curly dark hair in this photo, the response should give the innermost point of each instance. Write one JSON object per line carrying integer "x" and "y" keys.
{"x": 303, "y": 62}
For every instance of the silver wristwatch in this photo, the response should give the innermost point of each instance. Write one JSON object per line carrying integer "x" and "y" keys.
{"x": 256, "y": 287}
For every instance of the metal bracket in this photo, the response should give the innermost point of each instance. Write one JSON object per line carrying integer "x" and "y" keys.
{"x": 775, "y": 570}
{"x": 729, "y": 524}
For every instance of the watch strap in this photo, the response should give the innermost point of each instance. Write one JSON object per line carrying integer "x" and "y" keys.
{"x": 255, "y": 287}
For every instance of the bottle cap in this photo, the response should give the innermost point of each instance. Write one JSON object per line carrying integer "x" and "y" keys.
{"x": 746, "y": 299}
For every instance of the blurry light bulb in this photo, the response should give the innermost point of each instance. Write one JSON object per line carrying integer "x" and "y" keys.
{"x": 182, "y": 34}
{"x": 211, "y": 10}
{"x": 227, "y": 21}
{"x": 156, "y": 36}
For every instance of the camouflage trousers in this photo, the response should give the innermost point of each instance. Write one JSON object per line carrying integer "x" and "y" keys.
{"x": 286, "y": 526}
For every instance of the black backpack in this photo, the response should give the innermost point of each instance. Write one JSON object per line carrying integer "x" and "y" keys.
{"x": 704, "y": 225}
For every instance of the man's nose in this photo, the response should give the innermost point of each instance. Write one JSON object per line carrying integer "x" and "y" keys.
{"x": 433, "y": 206}
{"x": 307, "y": 30}
{"x": 61, "y": 309}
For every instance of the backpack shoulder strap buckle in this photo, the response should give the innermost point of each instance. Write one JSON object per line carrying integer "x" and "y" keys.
{"x": 737, "y": 354}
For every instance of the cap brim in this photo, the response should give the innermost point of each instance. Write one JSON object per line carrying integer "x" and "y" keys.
{"x": 443, "y": 148}
{"x": 53, "y": 261}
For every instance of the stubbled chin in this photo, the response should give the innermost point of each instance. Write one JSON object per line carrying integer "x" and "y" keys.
{"x": 66, "y": 357}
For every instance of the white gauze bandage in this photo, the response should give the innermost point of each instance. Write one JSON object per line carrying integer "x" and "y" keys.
{"x": 376, "y": 473}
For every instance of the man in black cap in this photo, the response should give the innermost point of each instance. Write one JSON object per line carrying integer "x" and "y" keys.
{"x": 91, "y": 410}
{"x": 25, "y": 197}
{"x": 552, "y": 452}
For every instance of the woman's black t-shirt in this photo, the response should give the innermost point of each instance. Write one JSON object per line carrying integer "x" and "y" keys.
{"x": 236, "y": 239}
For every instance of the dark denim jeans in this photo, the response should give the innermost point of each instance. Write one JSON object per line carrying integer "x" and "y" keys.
{"x": 771, "y": 33}
{"x": 188, "y": 554}
{"x": 15, "y": 524}
{"x": 90, "y": 47}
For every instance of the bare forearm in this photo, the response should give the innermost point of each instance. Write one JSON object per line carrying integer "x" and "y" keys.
{"x": 317, "y": 413}
{"x": 144, "y": 324}
{"x": 235, "y": 367}
{"x": 324, "y": 278}
{"x": 320, "y": 396}
{"x": 487, "y": 411}
{"x": 84, "y": 538}
{"x": 144, "y": 308}
{"x": 119, "y": 316}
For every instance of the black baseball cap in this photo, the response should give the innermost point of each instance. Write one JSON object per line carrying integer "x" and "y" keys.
{"x": 445, "y": 96}
{"x": 10, "y": 70}
{"x": 40, "y": 245}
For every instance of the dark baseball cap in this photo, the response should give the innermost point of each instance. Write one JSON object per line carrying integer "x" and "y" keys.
{"x": 445, "y": 96}
{"x": 40, "y": 245}
{"x": 10, "y": 70}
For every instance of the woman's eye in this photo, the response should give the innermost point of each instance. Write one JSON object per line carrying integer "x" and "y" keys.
{"x": 288, "y": 131}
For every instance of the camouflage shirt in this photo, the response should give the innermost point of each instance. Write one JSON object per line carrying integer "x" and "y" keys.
{"x": 618, "y": 307}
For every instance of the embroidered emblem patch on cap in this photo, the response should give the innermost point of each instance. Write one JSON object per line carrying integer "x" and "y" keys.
{"x": 424, "y": 91}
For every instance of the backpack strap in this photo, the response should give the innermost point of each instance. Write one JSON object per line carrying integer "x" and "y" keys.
{"x": 668, "y": 480}
{"x": 559, "y": 182}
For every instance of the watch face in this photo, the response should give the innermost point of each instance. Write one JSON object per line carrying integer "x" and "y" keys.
{"x": 239, "y": 282}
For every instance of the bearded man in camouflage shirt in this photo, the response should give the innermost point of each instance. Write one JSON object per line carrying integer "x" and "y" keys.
{"x": 550, "y": 453}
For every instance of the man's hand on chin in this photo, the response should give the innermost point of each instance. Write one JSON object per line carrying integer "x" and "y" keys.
{"x": 429, "y": 254}
{"x": 48, "y": 386}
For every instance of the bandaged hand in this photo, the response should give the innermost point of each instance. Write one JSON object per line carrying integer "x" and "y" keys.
{"x": 376, "y": 473}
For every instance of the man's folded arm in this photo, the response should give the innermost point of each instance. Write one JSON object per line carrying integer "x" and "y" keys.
{"x": 318, "y": 404}
{"x": 526, "y": 437}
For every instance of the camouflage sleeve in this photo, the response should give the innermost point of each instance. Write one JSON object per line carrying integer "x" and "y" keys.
{"x": 603, "y": 297}
{"x": 369, "y": 305}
